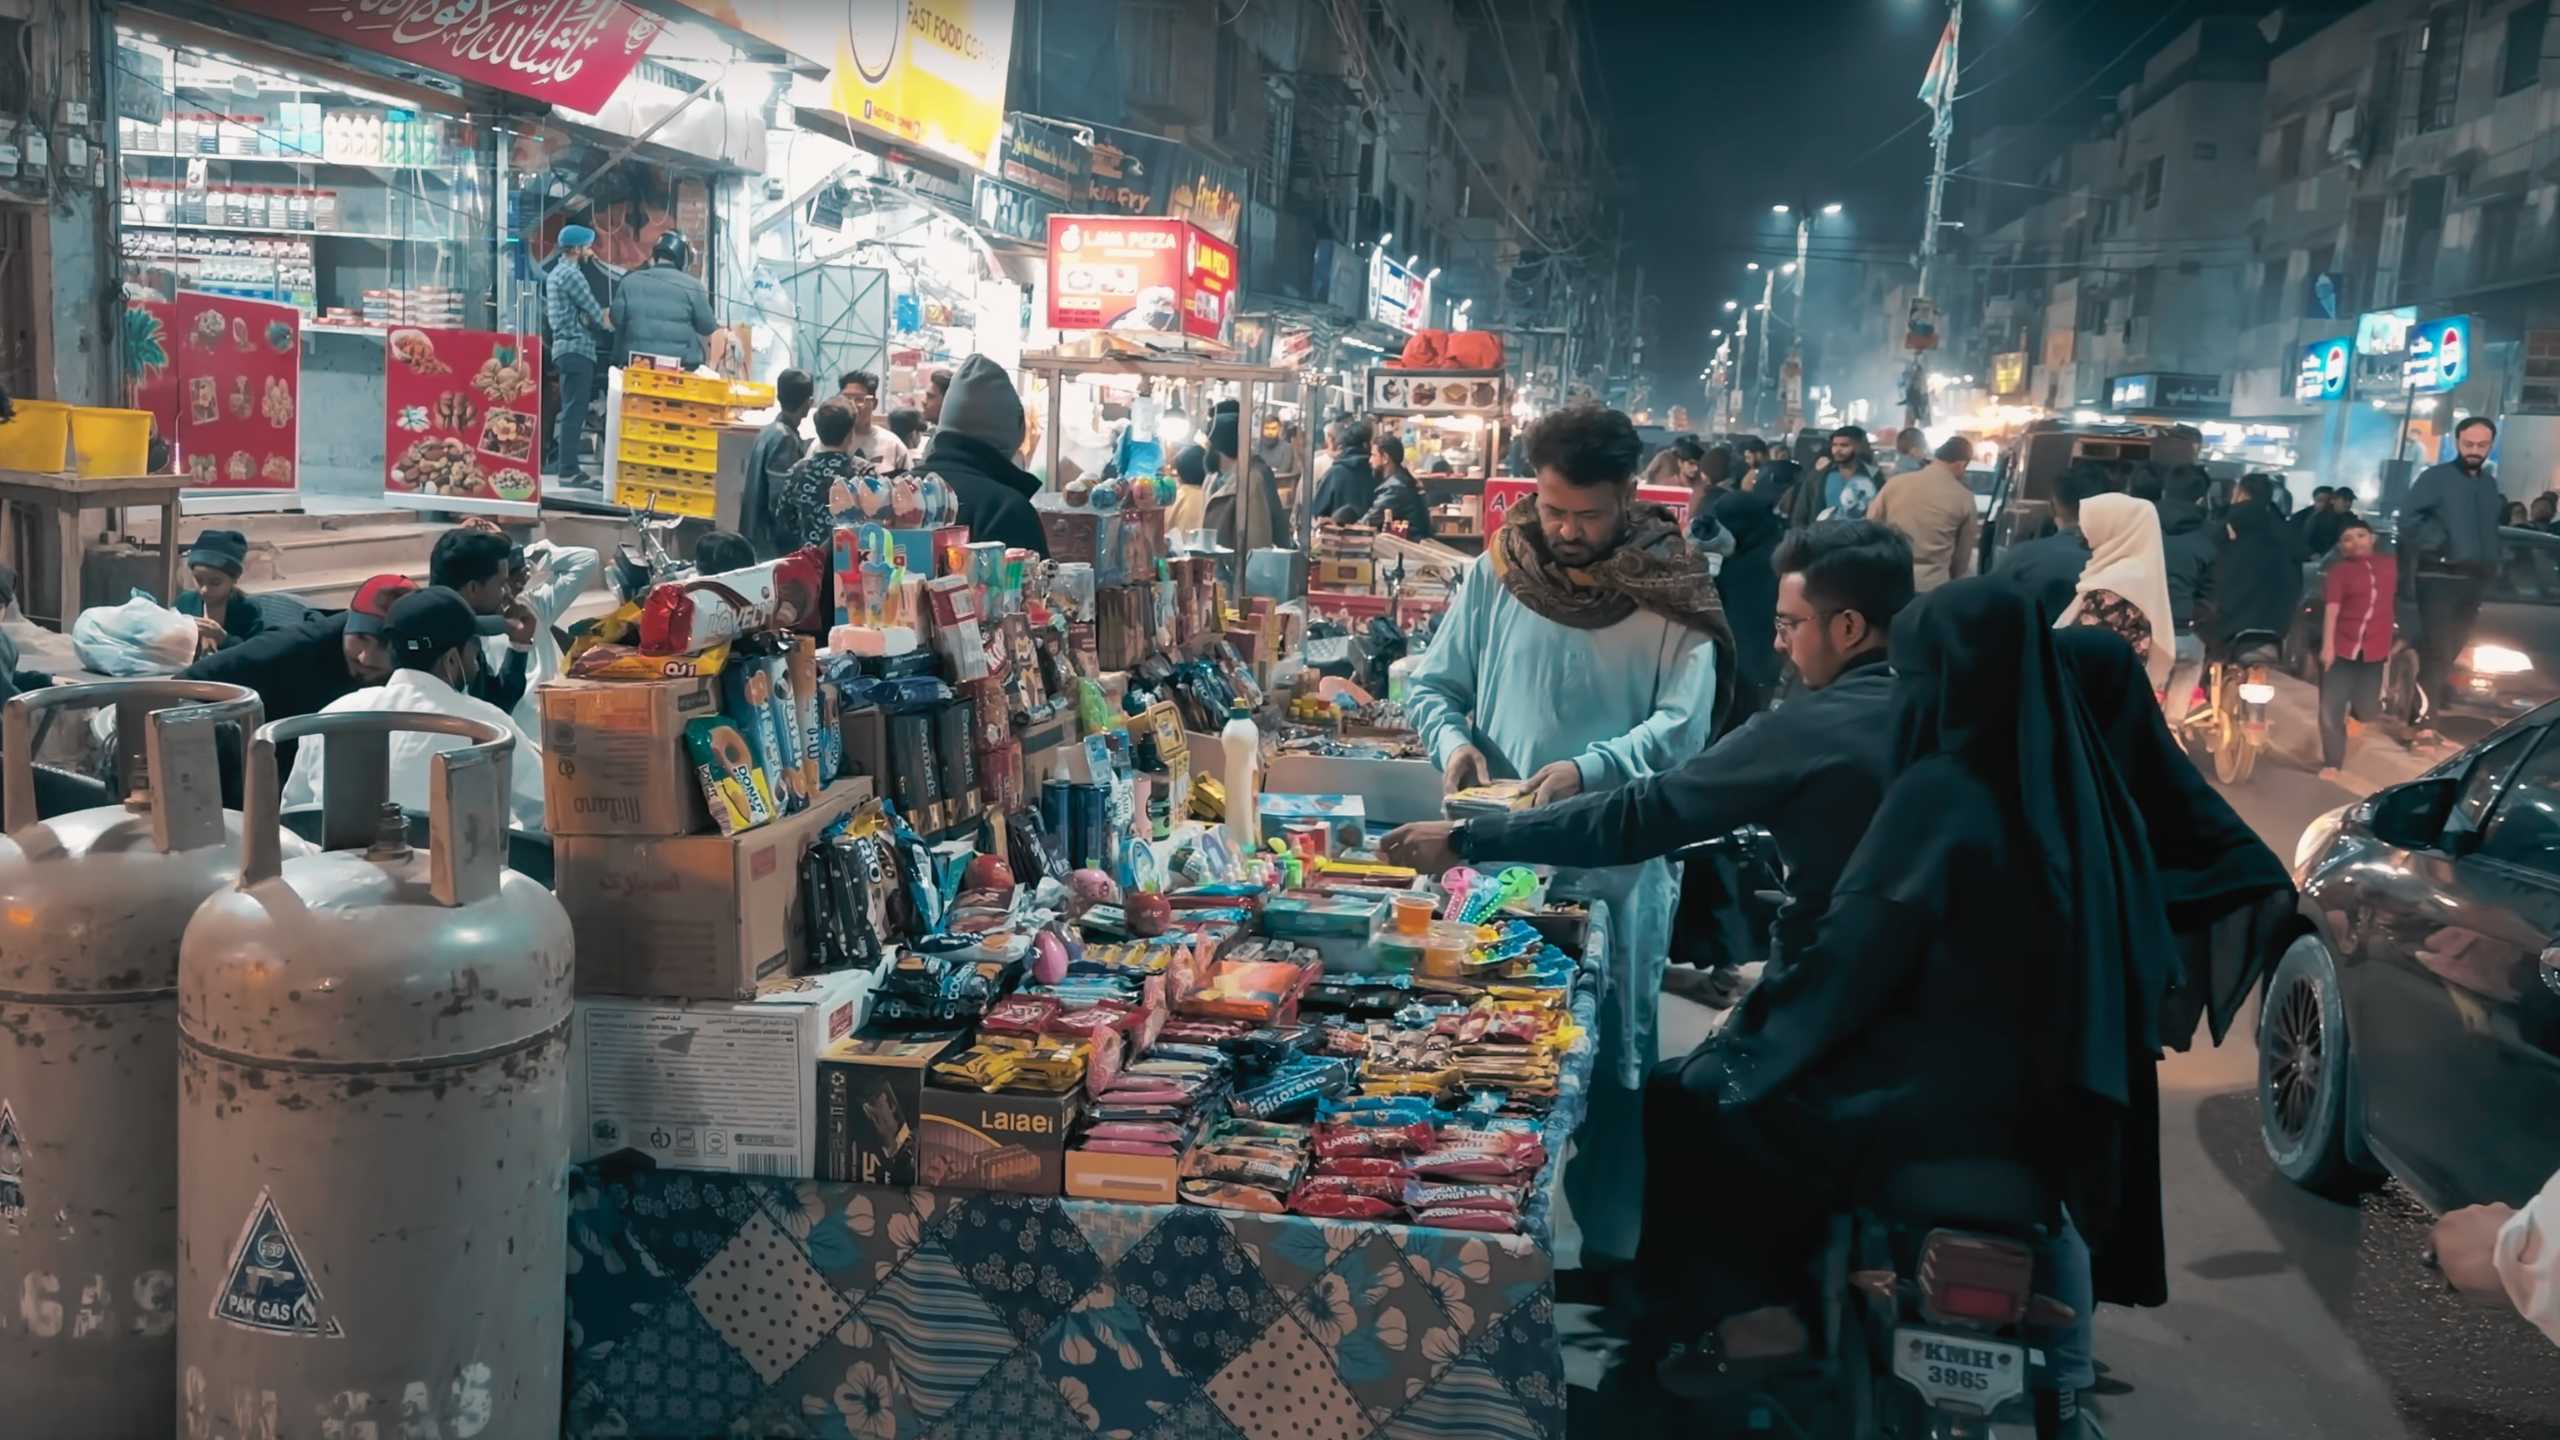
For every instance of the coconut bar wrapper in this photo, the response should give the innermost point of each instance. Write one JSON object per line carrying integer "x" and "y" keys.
{"x": 683, "y": 616}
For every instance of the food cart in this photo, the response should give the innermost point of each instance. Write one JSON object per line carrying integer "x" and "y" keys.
{"x": 1458, "y": 416}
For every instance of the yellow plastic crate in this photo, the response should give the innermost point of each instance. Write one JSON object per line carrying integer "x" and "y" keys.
{"x": 39, "y": 439}
{"x": 676, "y": 385}
{"x": 107, "y": 441}
{"x": 668, "y": 457}
{"x": 697, "y": 504}
{"x": 673, "y": 412}
{"x": 659, "y": 478}
{"x": 661, "y": 432}
{"x": 750, "y": 394}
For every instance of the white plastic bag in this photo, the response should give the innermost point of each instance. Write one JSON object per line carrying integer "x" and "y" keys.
{"x": 139, "y": 637}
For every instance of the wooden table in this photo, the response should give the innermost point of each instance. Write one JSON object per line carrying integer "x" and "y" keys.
{"x": 56, "y": 501}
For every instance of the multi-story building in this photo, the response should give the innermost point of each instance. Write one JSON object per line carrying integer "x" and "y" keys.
{"x": 2411, "y": 160}
{"x": 2131, "y": 253}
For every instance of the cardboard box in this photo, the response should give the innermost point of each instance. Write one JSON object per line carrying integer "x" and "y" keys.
{"x": 1345, "y": 574}
{"x": 711, "y": 1084}
{"x": 1392, "y": 792}
{"x": 976, "y": 1141}
{"x": 1347, "y": 816}
{"x": 1130, "y": 1179}
{"x": 698, "y": 916}
{"x": 871, "y": 1104}
{"x": 613, "y": 756}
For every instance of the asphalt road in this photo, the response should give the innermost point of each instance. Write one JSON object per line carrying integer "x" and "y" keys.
{"x": 2291, "y": 1317}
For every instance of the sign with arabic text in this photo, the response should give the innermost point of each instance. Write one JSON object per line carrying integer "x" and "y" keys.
{"x": 2009, "y": 373}
{"x": 2321, "y": 374}
{"x": 1047, "y": 160}
{"x": 1132, "y": 174}
{"x": 1398, "y": 298}
{"x": 2439, "y": 355}
{"x": 563, "y": 52}
{"x": 2161, "y": 393}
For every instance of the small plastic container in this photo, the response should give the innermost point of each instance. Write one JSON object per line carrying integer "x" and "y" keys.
{"x": 1414, "y": 914}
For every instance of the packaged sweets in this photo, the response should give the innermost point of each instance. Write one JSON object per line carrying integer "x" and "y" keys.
{"x": 688, "y": 615}
{"x": 746, "y": 697}
{"x": 733, "y": 785}
{"x": 816, "y": 774}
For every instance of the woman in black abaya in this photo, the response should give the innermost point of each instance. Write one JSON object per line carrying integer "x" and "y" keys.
{"x": 1987, "y": 983}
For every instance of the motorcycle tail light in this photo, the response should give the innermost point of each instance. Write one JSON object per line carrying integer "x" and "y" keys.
{"x": 1975, "y": 1279}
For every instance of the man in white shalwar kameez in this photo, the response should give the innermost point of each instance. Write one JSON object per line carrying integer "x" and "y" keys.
{"x": 1582, "y": 651}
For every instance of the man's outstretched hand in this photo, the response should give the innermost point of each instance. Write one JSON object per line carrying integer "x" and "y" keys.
{"x": 1422, "y": 845}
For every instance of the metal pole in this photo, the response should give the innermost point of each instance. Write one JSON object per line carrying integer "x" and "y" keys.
{"x": 1769, "y": 314}
{"x": 1942, "y": 131}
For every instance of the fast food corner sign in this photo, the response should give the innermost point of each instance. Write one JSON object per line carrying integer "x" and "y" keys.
{"x": 930, "y": 73}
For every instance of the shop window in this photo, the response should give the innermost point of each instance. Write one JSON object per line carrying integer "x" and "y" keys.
{"x": 2289, "y": 150}
{"x": 358, "y": 208}
{"x": 2151, "y": 175}
{"x": 2520, "y": 64}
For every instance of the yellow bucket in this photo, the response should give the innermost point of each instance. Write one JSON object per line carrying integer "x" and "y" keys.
{"x": 38, "y": 439}
{"x": 107, "y": 441}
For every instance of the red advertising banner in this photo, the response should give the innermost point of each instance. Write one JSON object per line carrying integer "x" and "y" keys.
{"x": 566, "y": 52}
{"x": 1141, "y": 274}
{"x": 462, "y": 414}
{"x": 1501, "y": 494}
{"x": 238, "y": 393}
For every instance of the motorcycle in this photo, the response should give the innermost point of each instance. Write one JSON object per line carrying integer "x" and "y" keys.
{"x": 651, "y": 563}
{"x": 1931, "y": 1323}
{"x": 2232, "y": 722}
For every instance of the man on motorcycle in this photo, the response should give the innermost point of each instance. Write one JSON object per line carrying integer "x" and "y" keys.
{"x": 1988, "y": 975}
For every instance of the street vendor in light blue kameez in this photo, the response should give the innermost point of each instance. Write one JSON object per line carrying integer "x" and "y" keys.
{"x": 1583, "y": 651}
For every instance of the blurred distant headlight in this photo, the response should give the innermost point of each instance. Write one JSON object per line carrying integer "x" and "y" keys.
{"x": 2499, "y": 660}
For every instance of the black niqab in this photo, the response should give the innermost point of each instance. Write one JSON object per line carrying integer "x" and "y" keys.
{"x": 1980, "y": 685}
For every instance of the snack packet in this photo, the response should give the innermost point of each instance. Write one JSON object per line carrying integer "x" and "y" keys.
{"x": 733, "y": 785}
{"x": 687, "y": 615}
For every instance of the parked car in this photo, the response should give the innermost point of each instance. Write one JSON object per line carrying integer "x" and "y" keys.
{"x": 2512, "y": 664}
{"x": 2412, "y": 1026}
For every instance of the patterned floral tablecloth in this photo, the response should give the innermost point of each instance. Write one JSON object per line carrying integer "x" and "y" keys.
{"x": 721, "y": 1305}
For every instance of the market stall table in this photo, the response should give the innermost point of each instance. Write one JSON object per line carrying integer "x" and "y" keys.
{"x": 707, "y": 1304}
{"x": 55, "y": 501}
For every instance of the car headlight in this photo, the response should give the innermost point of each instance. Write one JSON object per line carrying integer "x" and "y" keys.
{"x": 2499, "y": 660}
{"x": 2315, "y": 840}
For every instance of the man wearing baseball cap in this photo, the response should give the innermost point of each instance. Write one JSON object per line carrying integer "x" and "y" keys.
{"x": 300, "y": 669}
{"x": 433, "y": 637}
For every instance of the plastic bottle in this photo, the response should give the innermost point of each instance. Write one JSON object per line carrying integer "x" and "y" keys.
{"x": 1242, "y": 742}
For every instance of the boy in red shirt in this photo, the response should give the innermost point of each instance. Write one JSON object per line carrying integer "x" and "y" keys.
{"x": 2356, "y": 626}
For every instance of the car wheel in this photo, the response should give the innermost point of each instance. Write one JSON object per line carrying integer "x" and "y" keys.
{"x": 2303, "y": 1068}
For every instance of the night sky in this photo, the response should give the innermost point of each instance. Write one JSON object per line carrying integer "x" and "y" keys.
{"x": 1722, "y": 108}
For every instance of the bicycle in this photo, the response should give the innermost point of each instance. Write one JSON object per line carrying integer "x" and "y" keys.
{"x": 653, "y": 563}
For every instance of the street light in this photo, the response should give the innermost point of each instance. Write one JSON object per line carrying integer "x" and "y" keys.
{"x": 1751, "y": 265}
{"x": 1787, "y": 269}
{"x": 1434, "y": 275}
{"x": 1777, "y": 209}
{"x": 1386, "y": 240}
{"x": 1410, "y": 261}
{"x": 1832, "y": 208}
{"x": 1730, "y": 305}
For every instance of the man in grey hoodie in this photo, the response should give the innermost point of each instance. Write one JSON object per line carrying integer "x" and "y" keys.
{"x": 973, "y": 451}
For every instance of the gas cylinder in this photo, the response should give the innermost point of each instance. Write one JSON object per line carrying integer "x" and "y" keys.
{"x": 372, "y": 1113}
{"x": 91, "y": 907}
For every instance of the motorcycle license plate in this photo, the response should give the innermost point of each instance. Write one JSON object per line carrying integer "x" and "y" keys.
{"x": 1959, "y": 1371}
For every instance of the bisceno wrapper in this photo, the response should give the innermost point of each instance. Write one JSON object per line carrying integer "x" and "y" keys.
{"x": 815, "y": 773}
{"x": 682, "y": 616}
{"x": 733, "y": 785}
{"x": 746, "y": 700}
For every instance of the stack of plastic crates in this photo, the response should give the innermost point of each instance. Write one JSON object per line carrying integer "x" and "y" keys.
{"x": 668, "y": 456}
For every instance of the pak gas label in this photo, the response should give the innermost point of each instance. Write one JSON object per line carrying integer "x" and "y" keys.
{"x": 270, "y": 1287}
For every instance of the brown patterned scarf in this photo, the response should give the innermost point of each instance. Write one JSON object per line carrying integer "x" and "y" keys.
{"x": 1653, "y": 569}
